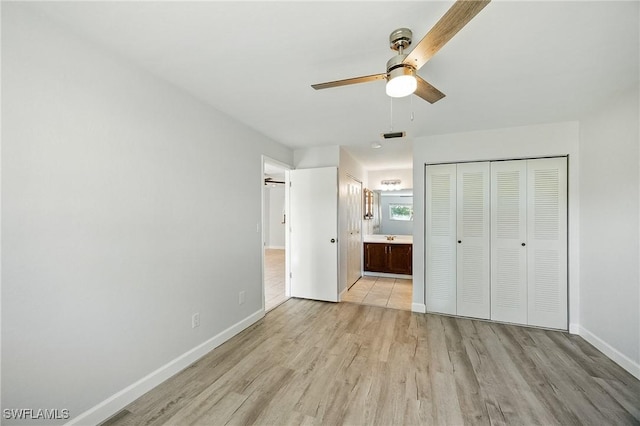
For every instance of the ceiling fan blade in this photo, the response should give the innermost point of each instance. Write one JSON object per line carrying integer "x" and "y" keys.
{"x": 348, "y": 81}
{"x": 451, "y": 22}
{"x": 427, "y": 92}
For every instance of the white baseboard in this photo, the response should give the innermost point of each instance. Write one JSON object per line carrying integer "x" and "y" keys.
{"x": 419, "y": 307}
{"x": 341, "y": 295}
{"x": 118, "y": 401}
{"x": 619, "y": 358}
{"x": 574, "y": 328}
{"x": 386, "y": 275}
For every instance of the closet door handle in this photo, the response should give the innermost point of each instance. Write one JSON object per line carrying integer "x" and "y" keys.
{"x": 523, "y": 244}
{"x": 459, "y": 241}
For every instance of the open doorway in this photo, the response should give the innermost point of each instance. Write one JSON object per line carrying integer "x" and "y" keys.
{"x": 275, "y": 235}
{"x": 388, "y": 247}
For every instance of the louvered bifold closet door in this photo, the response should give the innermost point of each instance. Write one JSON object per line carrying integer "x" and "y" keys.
{"x": 440, "y": 256}
{"x": 473, "y": 240}
{"x": 547, "y": 242}
{"x": 508, "y": 241}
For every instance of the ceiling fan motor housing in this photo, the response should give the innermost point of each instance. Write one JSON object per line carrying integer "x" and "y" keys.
{"x": 401, "y": 77}
{"x": 400, "y": 39}
{"x": 396, "y": 68}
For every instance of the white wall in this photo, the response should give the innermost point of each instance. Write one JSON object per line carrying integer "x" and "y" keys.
{"x": 610, "y": 229}
{"x": 274, "y": 207}
{"x": 113, "y": 228}
{"x": 321, "y": 156}
{"x": 376, "y": 176}
{"x": 510, "y": 143}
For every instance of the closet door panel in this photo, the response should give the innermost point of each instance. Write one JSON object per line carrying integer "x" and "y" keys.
{"x": 547, "y": 242}
{"x": 472, "y": 266}
{"x": 440, "y": 256}
{"x": 508, "y": 241}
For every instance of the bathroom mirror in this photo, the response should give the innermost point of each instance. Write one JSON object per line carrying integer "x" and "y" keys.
{"x": 395, "y": 212}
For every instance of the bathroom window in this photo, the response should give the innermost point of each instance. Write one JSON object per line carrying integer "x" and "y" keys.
{"x": 401, "y": 212}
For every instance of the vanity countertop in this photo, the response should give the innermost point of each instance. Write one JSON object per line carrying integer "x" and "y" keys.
{"x": 399, "y": 239}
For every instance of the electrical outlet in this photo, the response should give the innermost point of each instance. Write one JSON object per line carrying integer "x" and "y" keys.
{"x": 195, "y": 320}
{"x": 241, "y": 298}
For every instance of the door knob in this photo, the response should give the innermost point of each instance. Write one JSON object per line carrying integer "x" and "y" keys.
{"x": 459, "y": 241}
{"x": 523, "y": 244}
{"x": 333, "y": 240}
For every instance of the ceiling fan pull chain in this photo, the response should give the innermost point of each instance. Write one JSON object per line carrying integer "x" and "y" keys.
{"x": 411, "y": 116}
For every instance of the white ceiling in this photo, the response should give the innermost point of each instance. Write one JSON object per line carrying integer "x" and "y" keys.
{"x": 516, "y": 63}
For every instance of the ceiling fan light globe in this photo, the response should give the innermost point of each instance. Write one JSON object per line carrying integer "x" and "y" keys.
{"x": 401, "y": 86}
{"x": 401, "y": 81}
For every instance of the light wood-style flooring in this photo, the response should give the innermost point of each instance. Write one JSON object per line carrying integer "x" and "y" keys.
{"x": 393, "y": 293}
{"x": 274, "y": 282}
{"x": 312, "y": 362}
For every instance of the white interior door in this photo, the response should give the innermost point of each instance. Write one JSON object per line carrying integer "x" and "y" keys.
{"x": 440, "y": 227}
{"x": 547, "y": 242}
{"x": 508, "y": 241}
{"x": 473, "y": 240}
{"x": 354, "y": 226}
{"x": 314, "y": 233}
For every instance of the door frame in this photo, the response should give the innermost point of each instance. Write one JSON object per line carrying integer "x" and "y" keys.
{"x": 287, "y": 245}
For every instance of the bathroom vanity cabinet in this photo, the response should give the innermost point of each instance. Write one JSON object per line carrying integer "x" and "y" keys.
{"x": 388, "y": 258}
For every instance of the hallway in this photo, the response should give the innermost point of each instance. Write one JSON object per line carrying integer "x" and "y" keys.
{"x": 274, "y": 282}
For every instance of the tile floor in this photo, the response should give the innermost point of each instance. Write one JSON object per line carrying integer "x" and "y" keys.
{"x": 274, "y": 293}
{"x": 392, "y": 293}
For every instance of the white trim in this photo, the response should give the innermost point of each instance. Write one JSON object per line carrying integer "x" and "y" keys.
{"x": 121, "y": 399}
{"x": 419, "y": 307}
{"x": 341, "y": 295}
{"x": 616, "y": 356}
{"x": 574, "y": 329}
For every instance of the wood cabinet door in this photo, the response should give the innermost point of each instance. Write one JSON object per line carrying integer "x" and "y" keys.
{"x": 375, "y": 257}
{"x": 399, "y": 259}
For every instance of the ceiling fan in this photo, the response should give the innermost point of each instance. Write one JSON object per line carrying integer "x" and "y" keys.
{"x": 401, "y": 76}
